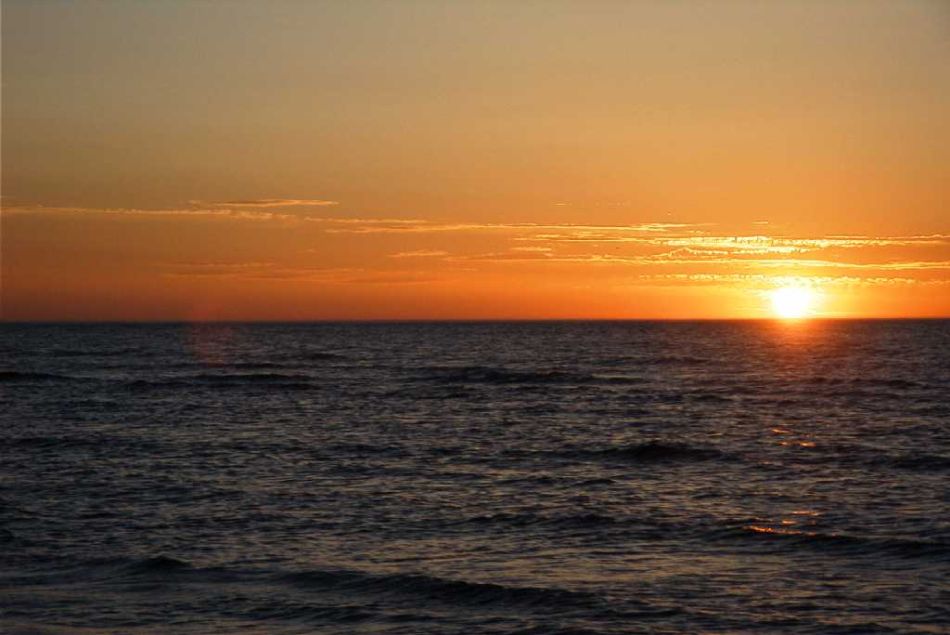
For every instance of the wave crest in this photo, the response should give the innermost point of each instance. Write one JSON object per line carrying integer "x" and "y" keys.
{"x": 441, "y": 589}
{"x": 648, "y": 452}
{"x": 26, "y": 376}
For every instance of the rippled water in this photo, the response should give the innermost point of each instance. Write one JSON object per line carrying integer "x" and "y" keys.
{"x": 603, "y": 477}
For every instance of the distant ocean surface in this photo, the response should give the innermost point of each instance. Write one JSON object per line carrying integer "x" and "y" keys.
{"x": 533, "y": 478}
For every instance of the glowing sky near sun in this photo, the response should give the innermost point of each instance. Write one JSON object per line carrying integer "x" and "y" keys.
{"x": 291, "y": 160}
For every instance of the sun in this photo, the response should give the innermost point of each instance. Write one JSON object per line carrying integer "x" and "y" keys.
{"x": 792, "y": 302}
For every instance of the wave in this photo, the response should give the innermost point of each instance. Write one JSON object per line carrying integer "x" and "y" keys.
{"x": 589, "y": 520}
{"x": 857, "y": 394}
{"x": 155, "y": 568}
{"x": 440, "y": 589}
{"x": 39, "y": 442}
{"x": 921, "y": 461}
{"x": 489, "y": 375}
{"x": 900, "y": 384}
{"x": 286, "y": 359}
{"x": 845, "y": 543}
{"x": 428, "y": 393}
{"x": 359, "y": 449}
{"x": 245, "y": 378}
{"x": 670, "y": 360}
{"x": 95, "y": 403}
{"x": 870, "y": 382}
{"x": 121, "y": 352}
{"x": 319, "y": 356}
{"x": 97, "y": 443}
{"x": 936, "y": 409}
{"x": 709, "y": 397}
{"x": 502, "y": 376}
{"x": 240, "y": 365}
{"x": 867, "y": 456}
{"x": 345, "y": 582}
{"x": 156, "y": 564}
{"x": 209, "y": 367}
{"x": 28, "y": 376}
{"x": 35, "y": 628}
{"x": 648, "y": 452}
{"x": 278, "y": 380}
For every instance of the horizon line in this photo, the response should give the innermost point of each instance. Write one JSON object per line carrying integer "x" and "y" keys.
{"x": 465, "y": 320}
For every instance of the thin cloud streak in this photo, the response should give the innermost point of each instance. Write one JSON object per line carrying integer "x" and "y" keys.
{"x": 267, "y": 202}
{"x": 765, "y": 281}
{"x": 121, "y": 212}
{"x": 406, "y": 226}
{"x": 754, "y": 243}
{"x": 674, "y": 258}
{"x": 257, "y": 271}
{"x": 419, "y": 253}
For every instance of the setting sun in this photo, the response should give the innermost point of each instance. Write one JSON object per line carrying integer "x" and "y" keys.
{"x": 792, "y": 302}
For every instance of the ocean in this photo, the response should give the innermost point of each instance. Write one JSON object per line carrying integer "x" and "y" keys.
{"x": 484, "y": 477}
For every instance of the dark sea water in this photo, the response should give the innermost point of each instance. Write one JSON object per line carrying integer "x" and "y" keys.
{"x": 544, "y": 478}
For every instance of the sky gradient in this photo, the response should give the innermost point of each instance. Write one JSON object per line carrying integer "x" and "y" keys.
{"x": 393, "y": 160}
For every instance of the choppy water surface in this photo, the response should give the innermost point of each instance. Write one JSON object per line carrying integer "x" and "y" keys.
{"x": 475, "y": 478}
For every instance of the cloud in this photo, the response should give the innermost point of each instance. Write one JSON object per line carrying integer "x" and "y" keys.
{"x": 267, "y": 202}
{"x": 257, "y": 271}
{"x": 664, "y": 247}
{"x": 754, "y": 243}
{"x": 396, "y": 225}
{"x": 764, "y": 281}
{"x": 371, "y": 226}
{"x": 689, "y": 257}
{"x": 392, "y": 277}
{"x": 215, "y": 268}
{"x": 123, "y": 212}
{"x": 351, "y": 225}
{"x": 419, "y": 253}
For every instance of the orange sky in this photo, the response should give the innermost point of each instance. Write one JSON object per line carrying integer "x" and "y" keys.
{"x": 376, "y": 160}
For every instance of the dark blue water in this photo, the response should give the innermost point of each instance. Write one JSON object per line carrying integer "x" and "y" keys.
{"x": 537, "y": 478}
